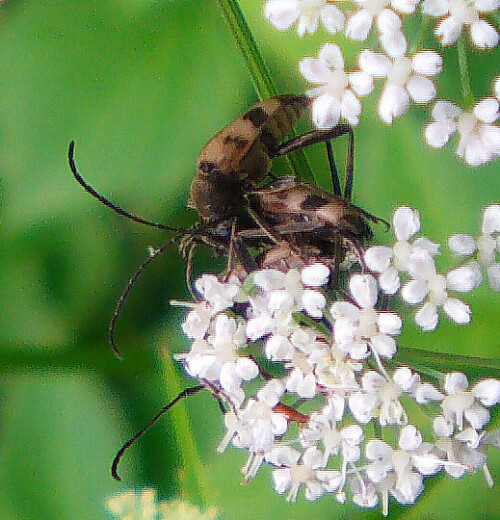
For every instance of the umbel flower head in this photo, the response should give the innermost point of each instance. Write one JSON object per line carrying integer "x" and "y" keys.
{"x": 272, "y": 338}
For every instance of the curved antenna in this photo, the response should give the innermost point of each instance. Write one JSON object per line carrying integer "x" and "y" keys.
{"x": 103, "y": 200}
{"x": 185, "y": 393}
{"x": 124, "y": 295}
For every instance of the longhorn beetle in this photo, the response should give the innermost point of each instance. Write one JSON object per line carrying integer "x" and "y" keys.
{"x": 228, "y": 168}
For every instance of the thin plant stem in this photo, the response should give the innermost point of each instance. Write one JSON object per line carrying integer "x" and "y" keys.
{"x": 464, "y": 70}
{"x": 436, "y": 364}
{"x": 259, "y": 71}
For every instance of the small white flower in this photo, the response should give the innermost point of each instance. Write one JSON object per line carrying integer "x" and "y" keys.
{"x": 479, "y": 137}
{"x": 389, "y": 24}
{"x": 334, "y": 99}
{"x": 387, "y": 462}
{"x": 298, "y": 473}
{"x": 407, "y": 78}
{"x": 390, "y": 261}
{"x": 459, "y": 13}
{"x": 358, "y": 329}
{"x": 284, "y": 13}
{"x": 486, "y": 247}
{"x": 428, "y": 285}
{"x": 460, "y": 403}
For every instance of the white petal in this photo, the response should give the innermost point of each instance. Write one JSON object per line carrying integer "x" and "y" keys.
{"x": 435, "y": 8}
{"x": 406, "y": 222}
{"x": 445, "y": 110}
{"x": 333, "y": 18}
{"x": 384, "y": 345}
{"x": 314, "y": 70}
{"x": 314, "y": 303}
{"x": 442, "y": 427}
{"x": 464, "y": 278}
{"x": 405, "y": 378}
{"x": 282, "y": 13}
{"x": 487, "y": 391}
{"x": 422, "y": 267}
{"x": 364, "y": 290}
{"x": 359, "y": 25}
{"x": 331, "y": 55}
{"x": 438, "y": 133}
{"x": 282, "y": 479}
{"x": 414, "y": 291}
{"x": 474, "y": 151}
{"x": 491, "y": 219}
{"x": 410, "y": 438}
{"x": 405, "y": 6}
{"x": 427, "y": 317}
{"x": 486, "y": 6}
{"x": 374, "y": 63}
{"x": 344, "y": 310}
{"x": 315, "y": 275}
{"x": 246, "y": 368}
{"x": 394, "y": 43}
{"x": 421, "y": 89}
{"x": 428, "y": 63}
{"x": 278, "y": 348}
{"x": 487, "y": 110}
{"x": 494, "y": 276}
{"x": 389, "y": 322}
{"x": 425, "y": 393}
{"x": 483, "y": 34}
{"x": 393, "y": 102}
{"x": 378, "y": 258}
{"x": 490, "y": 136}
{"x": 462, "y": 244}
{"x": 457, "y": 311}
{"x": 325, "y": 111}
{"x": 388, "y": 21}
{"x": 361, "y": 82}
{"x": 426, "y": 245}
{"x": 477, "y": 416}
{"x": 455, "y": 382}
{"x": 362, "y": 406}
{"x": 350, "y": 108}
{"x": 389, "y": 281}
{"x": 269, "y": 279}
{"x": 448, "y": 30}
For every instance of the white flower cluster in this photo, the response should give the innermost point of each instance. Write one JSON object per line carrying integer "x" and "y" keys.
{"x": 275, "y": 340}
{"x": 407, "y": 77}
{"x": 143, "y": 504}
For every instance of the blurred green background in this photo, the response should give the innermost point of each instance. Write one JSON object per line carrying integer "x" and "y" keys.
{"x": 141, "y": 85}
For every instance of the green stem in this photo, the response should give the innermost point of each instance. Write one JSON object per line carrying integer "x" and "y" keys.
{"x": 194, "y": 482}
{"x": 467, "y": 93}
{"x": 424, "y": 25}
{"x": 436, "y": 364}
{"x": 259, "y": 71}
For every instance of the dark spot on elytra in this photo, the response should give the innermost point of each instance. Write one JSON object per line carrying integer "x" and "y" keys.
{"x": 207, "y": 167}
{"x": 258, "y": 116}
{"x": 239, "y": 142}
{"x": 269, "y": 141}
{"x": 312, "y": 202}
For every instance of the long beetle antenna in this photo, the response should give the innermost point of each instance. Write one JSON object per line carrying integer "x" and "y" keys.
{"x": 124, "y": 295}
{"x": 185, "y": 393}
{"x": 103, "y": 200}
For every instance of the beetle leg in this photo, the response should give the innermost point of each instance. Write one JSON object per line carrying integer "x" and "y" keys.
{"x": 321, "y": 136}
